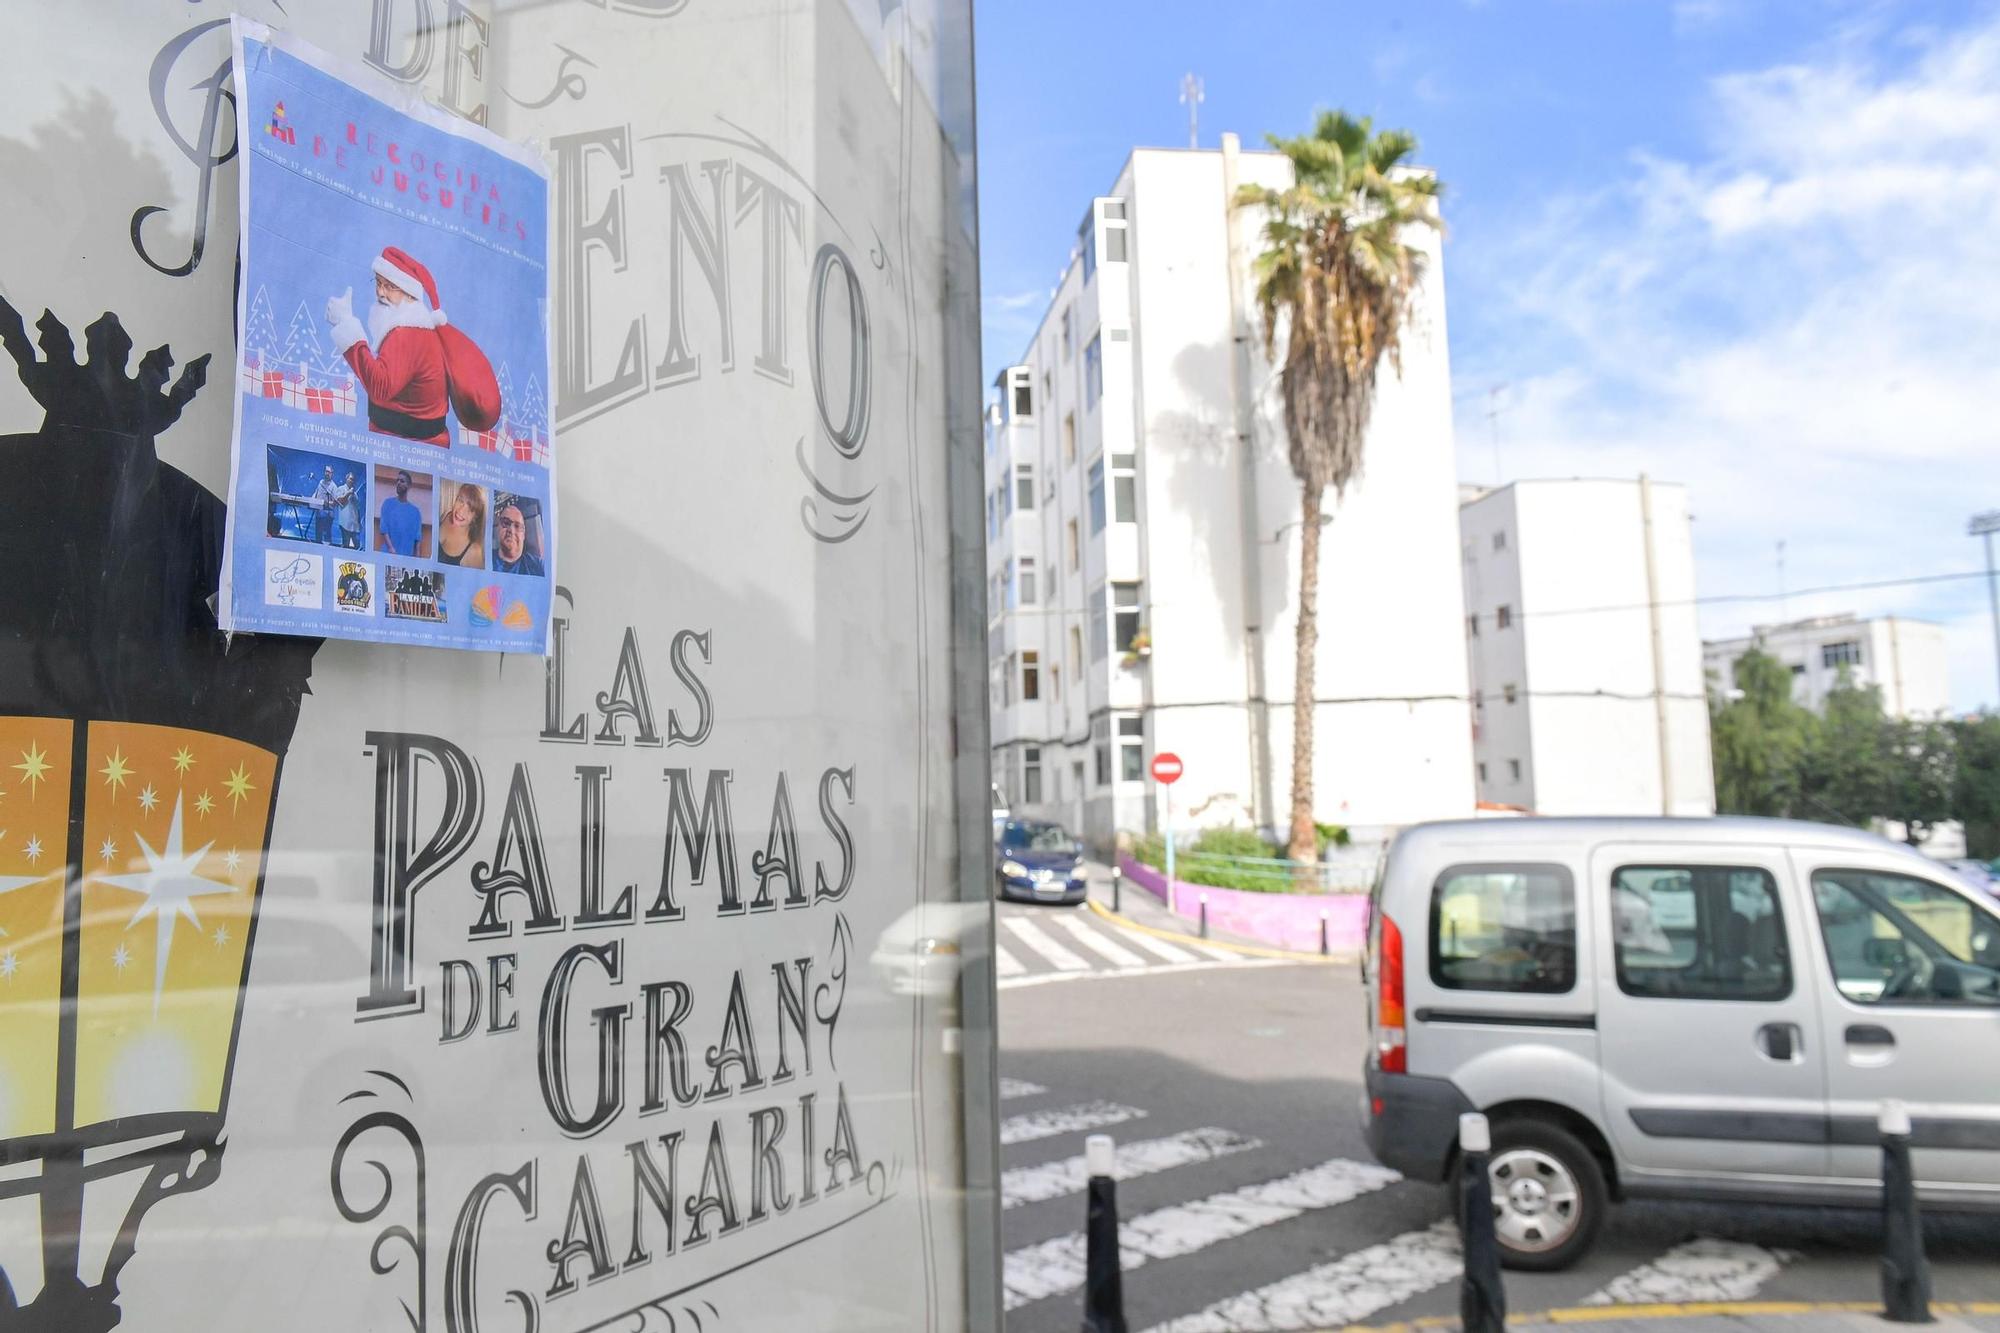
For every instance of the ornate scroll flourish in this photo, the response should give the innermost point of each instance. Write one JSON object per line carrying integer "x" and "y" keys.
{"x": 413, "y": 1238}
{"x": 567, "y": 84}
{"x": 847, "y": 513}
{"x": 835, "y": 987}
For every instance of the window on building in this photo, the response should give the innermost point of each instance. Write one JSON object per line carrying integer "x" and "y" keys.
{"x": 1031, "y": 774}
{"x": 1025, "y": 572}
{"x": 1132, "y": 749}
{"x": 1031, "y": 675}
{"x": 1125, "y": 599}
{"x": 1093, "y": 372}
{"x": 1007, "y": 679}
{"x": 1007, "y": 586}
{"x": 1100, "y": 733}
{"x": 1068, "y": 333}
{"x": 1114, "y": 231}
{"x": 1895, "y": 939}
{"x": 1699, "y": 933}
{"x": 1125, "y": 487}
{"x": 1504, "y": 928}
{"x": 1100, "y": 636}
{"x": 992, "y": 516}
{"x": 1087, "y": 237}
{"x": 1510, "y": 694}
{"x": 1021, "y": 387}
{"x": 1024, "y": 486}
{"x": 1500, "y": 540}
{"x": 1845, "y": 653}
{"x": 1096, "y": 497}
{"x": 1069, "y": 437}
{"x": 1514, "y": 770}
{"x": 1074, "y": 545}
{"x": 1075, "y": 651}
{"x": 1503, "y": 618}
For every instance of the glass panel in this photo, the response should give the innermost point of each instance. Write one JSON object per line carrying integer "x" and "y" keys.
{"x": 1699, "y": 933}
{"x": 1895, "y": 939}
{"x": 1504, "y": 928}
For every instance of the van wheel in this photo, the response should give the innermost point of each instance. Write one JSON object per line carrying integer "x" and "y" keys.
{"x": 1548, "y": 1195}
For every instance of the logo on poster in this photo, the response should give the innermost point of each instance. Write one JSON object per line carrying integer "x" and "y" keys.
{"x": 291, "y": 579}
{"x": 354, "y": 589}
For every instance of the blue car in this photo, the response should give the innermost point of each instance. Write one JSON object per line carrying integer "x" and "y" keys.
{"x": 1038, "y": 862}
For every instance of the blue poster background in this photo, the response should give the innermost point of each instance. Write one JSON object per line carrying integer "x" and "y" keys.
{"x": 333, "y": 176}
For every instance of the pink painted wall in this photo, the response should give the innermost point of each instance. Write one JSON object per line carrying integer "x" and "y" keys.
{"x": 1282, "y": 920}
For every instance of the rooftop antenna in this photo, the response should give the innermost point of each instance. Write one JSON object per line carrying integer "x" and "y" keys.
{"x": 1192, "y": 98}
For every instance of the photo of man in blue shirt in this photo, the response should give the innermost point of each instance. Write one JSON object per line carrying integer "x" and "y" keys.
{"x": 401, "y": 523}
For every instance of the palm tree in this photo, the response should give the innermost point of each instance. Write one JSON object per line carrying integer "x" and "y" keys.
{"x": 1337, "y": 278}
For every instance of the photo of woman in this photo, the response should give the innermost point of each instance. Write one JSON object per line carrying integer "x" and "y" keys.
{"x": 462, "y": 525}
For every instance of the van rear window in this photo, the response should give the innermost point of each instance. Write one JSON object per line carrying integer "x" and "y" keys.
{"x": 1504, "y": 928}
{"x": 1699, "y": 933}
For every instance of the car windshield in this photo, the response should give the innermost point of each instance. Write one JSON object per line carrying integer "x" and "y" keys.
{"x": 1035, "y": 837}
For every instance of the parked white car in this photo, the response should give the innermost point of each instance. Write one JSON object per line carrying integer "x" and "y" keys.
{"x": 1678, "y": 1008}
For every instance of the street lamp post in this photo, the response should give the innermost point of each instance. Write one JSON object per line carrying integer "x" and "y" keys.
{"x": 1984, "y": 526}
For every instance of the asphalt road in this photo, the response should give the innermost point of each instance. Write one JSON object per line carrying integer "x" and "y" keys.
{"x": 1249, "y": 1198}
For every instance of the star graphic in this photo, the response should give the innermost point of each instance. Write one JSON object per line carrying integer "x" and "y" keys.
{"x": 34, "y": 766}
{"x": 202, "y": 804}
{"x": 232, "y": 859}
{"x": 169, "y": 883}
{"x": 33, "y": 849}
{"x": 183, "y": 760}
{"x": 221, "y": 936}
{"x": 238, "y": 785}
{"x": 120, "y": 957}
{"x": 108, "y": 850}
{"x": 9, "y": 965}
{"x": 148, "y": 798}
{"x": 115, "y": 771}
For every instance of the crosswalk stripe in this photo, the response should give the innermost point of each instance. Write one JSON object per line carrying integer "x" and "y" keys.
{"x": 1702, "y": 1269}
{"x": 1064, "y": 1120}
{"x": 1019, "y": 1087}
{"x": 1057, "y": 1266}
{"x": 1052, "y": 1180}
{"x": 1217, "y": 951}
{"x": 1099, "y": 943}
{"x": 1335, "y": 1294}
{"x": 1006, "y": 964}
{"x": 1032, "y": 935}
{"x": 1159, "y": 948}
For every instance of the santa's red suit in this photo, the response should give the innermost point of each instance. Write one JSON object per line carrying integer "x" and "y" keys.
{"x": 404, "y": 372}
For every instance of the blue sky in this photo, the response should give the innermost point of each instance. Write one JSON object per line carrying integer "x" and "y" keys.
{"x": 1752, "y": 247}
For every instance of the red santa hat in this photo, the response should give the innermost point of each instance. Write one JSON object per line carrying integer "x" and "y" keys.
{"x": 401, "y": 270}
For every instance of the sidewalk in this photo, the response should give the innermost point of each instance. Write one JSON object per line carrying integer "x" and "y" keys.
{"x": 1745, "y": 1317}
{"x": 1143, "y": 909}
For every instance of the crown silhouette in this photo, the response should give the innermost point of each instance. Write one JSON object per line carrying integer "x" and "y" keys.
{"x": 112, "y": 558}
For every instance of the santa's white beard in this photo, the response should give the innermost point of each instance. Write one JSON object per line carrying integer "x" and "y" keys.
{"x": 385, "y": 318}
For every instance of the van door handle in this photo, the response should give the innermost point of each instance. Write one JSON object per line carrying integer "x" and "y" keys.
{"x": 1780, "y": 1041}
{"x": 1869, "y": 1034}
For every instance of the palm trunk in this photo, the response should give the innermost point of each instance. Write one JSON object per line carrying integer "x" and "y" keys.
{"x": 1304, "y": 843}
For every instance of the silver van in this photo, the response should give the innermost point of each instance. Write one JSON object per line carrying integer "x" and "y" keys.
{"x": 1678, "y": 1008}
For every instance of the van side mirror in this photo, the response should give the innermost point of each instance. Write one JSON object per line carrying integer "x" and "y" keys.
{"x": 1879, "y": 952}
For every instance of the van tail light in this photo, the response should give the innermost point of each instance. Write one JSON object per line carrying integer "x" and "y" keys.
{"x": 1392, "y": 1055}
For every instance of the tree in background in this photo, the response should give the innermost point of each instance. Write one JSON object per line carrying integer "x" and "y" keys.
{"x": 1760, "y": 739}
{"x": 1921, "y": 773}
{"x": 1976, "y": 783}
{"x": 1848, "y": 761}
{"x": 1338, "y": 275}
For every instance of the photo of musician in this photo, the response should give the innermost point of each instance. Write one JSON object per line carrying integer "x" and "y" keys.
{"x": 307, "y": 503}
{"x": 402, "y": 511}
{"x": 461, "y": 537}
{"x": 517, "y": 535}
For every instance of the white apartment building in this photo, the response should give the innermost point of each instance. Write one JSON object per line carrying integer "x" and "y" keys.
{"x": 1586, "y": 660}
{"x": 1143, "y": 537}
{"x": 1904, "y": 658}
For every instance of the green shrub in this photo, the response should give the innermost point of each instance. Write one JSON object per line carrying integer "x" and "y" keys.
{"x": 1151, "y": 849}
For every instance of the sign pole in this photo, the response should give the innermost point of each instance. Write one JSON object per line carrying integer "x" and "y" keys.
{"x": 1170, "y": 838}
{"x": 1167, "y": 769}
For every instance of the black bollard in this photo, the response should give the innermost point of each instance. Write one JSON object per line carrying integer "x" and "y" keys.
{"x": 1117, "y": 884}
{"x": 1103, "y": 1285}
{"x": 1323, "y": 950}
{"x": 1906, "y": 1274}
{"x": 1482, "y": 1301}
{"x": 1204, "y": 916}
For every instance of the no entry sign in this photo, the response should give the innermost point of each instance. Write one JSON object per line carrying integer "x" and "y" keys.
{"x": 1167, "y": 767}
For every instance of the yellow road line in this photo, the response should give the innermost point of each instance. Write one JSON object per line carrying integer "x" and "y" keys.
{"x": 1604, "y": 1314}
{"x": 1251, "y": 950}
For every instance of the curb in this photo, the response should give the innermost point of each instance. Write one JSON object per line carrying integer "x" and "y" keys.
{"x": 1249, "y": 950}
{"x": 1606, "y": 1314}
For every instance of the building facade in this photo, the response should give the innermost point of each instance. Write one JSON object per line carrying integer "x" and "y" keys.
{"x": 1143, "y": 542}
{"x": 1903, "y": 658}
{"x": 1584, "y": 653}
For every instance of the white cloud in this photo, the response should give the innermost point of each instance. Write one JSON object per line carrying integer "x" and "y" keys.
{"x": 1802, "y": 323}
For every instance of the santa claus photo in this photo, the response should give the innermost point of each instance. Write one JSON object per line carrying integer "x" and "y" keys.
{"x": 417, "y": 370}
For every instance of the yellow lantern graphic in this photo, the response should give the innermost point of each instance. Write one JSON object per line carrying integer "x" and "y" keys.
{"x": 139, "y": 763}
